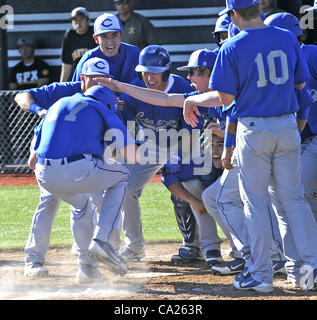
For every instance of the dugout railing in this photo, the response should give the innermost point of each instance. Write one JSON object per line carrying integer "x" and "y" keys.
{"x": 16, "y": 132}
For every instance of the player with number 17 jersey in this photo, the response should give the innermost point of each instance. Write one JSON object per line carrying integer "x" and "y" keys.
{"x": 278, "y": 67}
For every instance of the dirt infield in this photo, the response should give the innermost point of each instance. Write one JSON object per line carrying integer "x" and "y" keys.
{"x": 153, "y": 278}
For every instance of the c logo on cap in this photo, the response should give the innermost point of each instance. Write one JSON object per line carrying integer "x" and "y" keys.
{"x": 107, "y": 23}
{"x": 100, "y": 65}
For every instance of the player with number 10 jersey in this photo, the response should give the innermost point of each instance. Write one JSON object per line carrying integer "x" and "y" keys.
{"x": 279, "y": 66}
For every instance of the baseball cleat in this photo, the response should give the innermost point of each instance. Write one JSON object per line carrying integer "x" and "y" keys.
{"x": 104, "y": 253}
{"x": 187, "y": 255}
{"x": 278, "y": 266}
{"x": 248, "y": 283}
{"x": 213, "y": 257}
{"x": 88, "y": 274}
{"x": 35, "y": 270}
{"x": 128, "y": 254}
{"x": 228, "y": 268}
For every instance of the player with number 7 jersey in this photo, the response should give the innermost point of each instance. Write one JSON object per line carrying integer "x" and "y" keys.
{"x": 73, "y": 165}
{"x": 258, "y": 70}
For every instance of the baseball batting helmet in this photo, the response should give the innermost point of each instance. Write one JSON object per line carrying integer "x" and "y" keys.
{"x": 286, "y": 21}
{"x": 222, "y": 25}
{"x": 154, "y": 59}
{"x": 233, "y": 30}
{"x": 103, "y": 95}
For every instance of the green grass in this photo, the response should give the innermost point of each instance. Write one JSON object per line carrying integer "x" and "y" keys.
{"x": 19, "y": 203}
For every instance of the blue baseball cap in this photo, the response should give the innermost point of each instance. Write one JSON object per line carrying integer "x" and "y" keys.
{"x": 96, "y": 67}
{"x": 200, "y": 58}
{"x": 285, "y": 20}
{"x": 238, "y": 4}
{"x": 107, "y": 22}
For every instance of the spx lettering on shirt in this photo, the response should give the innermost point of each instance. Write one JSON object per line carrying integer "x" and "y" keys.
{"x": 27, "y": 77}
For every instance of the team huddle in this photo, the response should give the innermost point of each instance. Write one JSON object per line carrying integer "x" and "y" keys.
{"x": 246, "y": 109}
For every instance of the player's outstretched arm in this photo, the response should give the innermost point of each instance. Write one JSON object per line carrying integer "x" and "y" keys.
{"x": 150, "y": 96}
{"x": 207, "y": 99}
{"x": 24, "y": 101}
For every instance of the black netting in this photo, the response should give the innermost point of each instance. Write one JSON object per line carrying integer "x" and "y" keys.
{"x": 16, "y": 132}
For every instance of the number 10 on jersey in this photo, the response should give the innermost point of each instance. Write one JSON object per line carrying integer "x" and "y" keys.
{"x": 271, "y": 63}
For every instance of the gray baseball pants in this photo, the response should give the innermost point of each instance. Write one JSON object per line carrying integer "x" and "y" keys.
{"x": 140, "y": 175}
{"x": 268, "y": 152}
{"x": 208, "y": 237}
{"x": 74, "y": 183}
{"x": 222, "y": 200}
{"x": 309, "y": 172}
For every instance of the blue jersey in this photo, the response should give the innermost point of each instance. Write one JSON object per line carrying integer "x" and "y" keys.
{"x": 47, "y": 95}
{"x": 76, "y": 125}
{"x": 122, "y": 66}
{"x": 260, "y": 67}
{"x": 186, "y": 173}
{"x": 156, "y": 117}
{"x": 305, "y": 101}
{"x": 310, "y": 52}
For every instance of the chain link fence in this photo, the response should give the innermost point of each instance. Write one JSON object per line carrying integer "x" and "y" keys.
{"x": 16, "y": 133}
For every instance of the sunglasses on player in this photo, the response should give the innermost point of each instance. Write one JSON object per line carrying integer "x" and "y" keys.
{"x": 191, "y": 71}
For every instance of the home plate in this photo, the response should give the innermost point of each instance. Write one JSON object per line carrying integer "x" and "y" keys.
{"x": 151, "y": 275}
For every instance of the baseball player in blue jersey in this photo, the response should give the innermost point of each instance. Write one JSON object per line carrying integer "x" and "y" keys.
{"x": 75, "y": 167}
{"x": 189, "y": 187}
{"x": 37, "y": 101}
{"x": 122, "y": 57}
{"x": 308, "y": 156}
{"x": 154, "y": 71}
{"x": 199, "y": 69}
{"x": 268, "y": 141}
{"x": 200, "y": 79}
